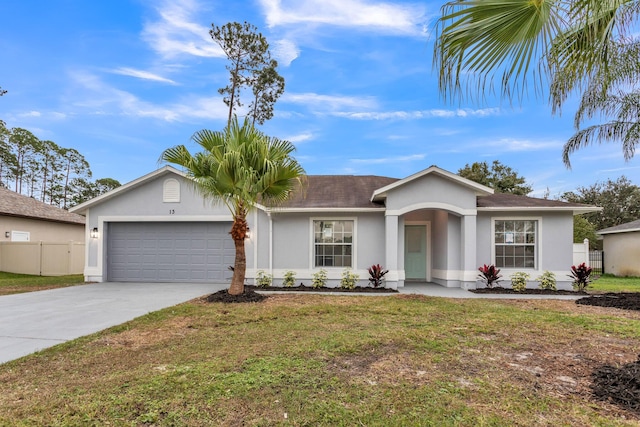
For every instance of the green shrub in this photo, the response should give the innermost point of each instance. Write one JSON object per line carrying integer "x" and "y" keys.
{"x": 263, "y": 280}
{"x": 519, "y": 281}
{"x": 349, "y": 279}
{"x": 289, "y": 279}
{"x": 319, "y": 279}
{"x": 547, "y": 281}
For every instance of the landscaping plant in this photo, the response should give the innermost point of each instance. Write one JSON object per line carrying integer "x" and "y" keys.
{"x": 289, "y": 279}
{"x": 519, "y": 281}
{"x": 319, "y": 279}
{"x": 489, "y": 274}
{"x": 263, "y": 280}
{"x": 547, "y": 281}
{"x": 581, "y": 276}
{"x": 349, "y": 279}
{"x": 376, "y": 275}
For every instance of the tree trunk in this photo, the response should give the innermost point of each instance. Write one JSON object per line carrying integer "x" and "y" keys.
{"x": 238, "y": 234}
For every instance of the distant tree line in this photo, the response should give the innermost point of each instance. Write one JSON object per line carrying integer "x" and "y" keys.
{"x": 46, "y": 171}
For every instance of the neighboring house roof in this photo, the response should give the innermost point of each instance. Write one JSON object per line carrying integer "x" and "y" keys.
{"x": 504, "y": 201}
{"x": 14, "y": 204}
{"x": 622, "y": 228}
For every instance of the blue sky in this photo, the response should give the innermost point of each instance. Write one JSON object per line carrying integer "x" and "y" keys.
{"x": 121, "y": 80}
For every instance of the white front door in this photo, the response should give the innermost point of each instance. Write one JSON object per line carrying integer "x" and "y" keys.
{"x": 415, "y": 252}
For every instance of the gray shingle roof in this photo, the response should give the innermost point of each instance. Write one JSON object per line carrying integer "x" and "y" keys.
{"x": 622, "y": 228}
{"x": 14, "y": 204}
{"x": 338, "y": 191}
{"x": 502, "y": 200}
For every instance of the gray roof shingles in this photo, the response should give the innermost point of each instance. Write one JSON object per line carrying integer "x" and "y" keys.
{"x": 354, "y": 191}
{"x": 628, "y": 226}
{"x": 14, "y": 204}
{"x": 503, "y": 200}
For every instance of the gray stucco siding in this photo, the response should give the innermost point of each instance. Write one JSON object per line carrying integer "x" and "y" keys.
{"x": 431, "y": 189}
{"x": 554, "y": 249}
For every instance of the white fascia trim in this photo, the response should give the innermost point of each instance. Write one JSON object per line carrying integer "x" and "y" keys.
{"x": 322, "y": 210}
{"x": 479, "y": 188}
{"x": 163, "y": 218}
{"x": 432, "y": 205}
{"x": 126, "y": 187}
{"x": 576, "y": 211}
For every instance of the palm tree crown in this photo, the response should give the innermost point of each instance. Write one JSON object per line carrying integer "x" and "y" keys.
{"x": 240, "y": 167}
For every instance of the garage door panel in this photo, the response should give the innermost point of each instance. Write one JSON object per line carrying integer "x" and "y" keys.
{"x": 169, "y": 252}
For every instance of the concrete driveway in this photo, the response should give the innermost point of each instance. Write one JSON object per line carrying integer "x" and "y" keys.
{"x": 36, "y": 320}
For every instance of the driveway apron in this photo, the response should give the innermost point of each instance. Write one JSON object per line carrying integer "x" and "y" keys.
{"x": 36, "y": 320}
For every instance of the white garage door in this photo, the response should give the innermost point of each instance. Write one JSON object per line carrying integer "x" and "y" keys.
{"x": 169, "y": 252}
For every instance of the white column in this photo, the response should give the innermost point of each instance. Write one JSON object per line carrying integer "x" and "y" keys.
{"x": 468, "y": 264}
{"x": 391, "y": 249}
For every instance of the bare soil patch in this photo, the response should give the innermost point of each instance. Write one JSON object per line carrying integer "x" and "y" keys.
{"x": 303, "y": 288}
{"x": 618, "y": 385}
{"x": 532, "y": 291}
{"x": 249, "y": 295}
{"x": 623, "y": 300}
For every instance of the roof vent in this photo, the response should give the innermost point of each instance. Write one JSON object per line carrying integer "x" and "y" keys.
{"x": 171, "y": 191}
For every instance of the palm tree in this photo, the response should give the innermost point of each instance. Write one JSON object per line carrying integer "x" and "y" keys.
{"x": 239, "y": 167}
{"x": 564, "y": 45}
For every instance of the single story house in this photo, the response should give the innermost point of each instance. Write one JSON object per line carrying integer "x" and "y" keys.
{"x": 621, "y": 245}
{"x": 25, "y": 219}
{"x": 433, "y": 226}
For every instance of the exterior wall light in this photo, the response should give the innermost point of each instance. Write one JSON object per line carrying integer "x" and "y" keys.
{"x": 94, "y": 233}
{"x": 7, "y": 234}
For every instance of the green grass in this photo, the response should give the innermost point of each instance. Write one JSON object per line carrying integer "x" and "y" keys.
{"x": 312, "y": 360}
{"x": 610, "y": 283}
{"x": 12, "y": 283}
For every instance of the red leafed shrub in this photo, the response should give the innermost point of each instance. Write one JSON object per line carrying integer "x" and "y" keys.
{"x": 581, "y": 276}
{"x": 376, "y": 275}
{"x": 489, "y": 274}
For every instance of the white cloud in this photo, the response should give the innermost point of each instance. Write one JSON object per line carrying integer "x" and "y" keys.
{"x": 141, "y": 74}
{"x": 31, "y": 114}
{"x": 397, "y": 159}
{"x": 302, "y": 137}
{"x": 285, "y": 51}
{"x": 328, "y": 102}
{"x": 420, "y": 114}
{"x": 510, "y": 144}
{"x": 103, "y": 99}
{"x": 176, "y": 32}
{"x": 386, "y": 17}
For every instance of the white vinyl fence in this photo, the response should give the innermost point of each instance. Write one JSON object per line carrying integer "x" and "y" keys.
{"x": 42, "y": 258}
{"x": 581, "y": 252}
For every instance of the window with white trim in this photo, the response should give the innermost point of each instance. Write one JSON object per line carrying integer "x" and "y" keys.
{"x": 333, "y": 243}
{"x": 515, "y": 243}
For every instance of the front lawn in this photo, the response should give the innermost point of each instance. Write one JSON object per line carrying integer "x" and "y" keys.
{"x": 12, "y": 283}
{"x": 610, "y": 283}
{"x": 297, "y": 360}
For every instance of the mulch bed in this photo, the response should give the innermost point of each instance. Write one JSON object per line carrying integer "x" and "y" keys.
{"x": 303, "y": 288}
{"x": 248, "y": 296}
{"x": 618, "y": 385}
{"x": 532, "y": 291}
{"x": 623, "y": 300}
